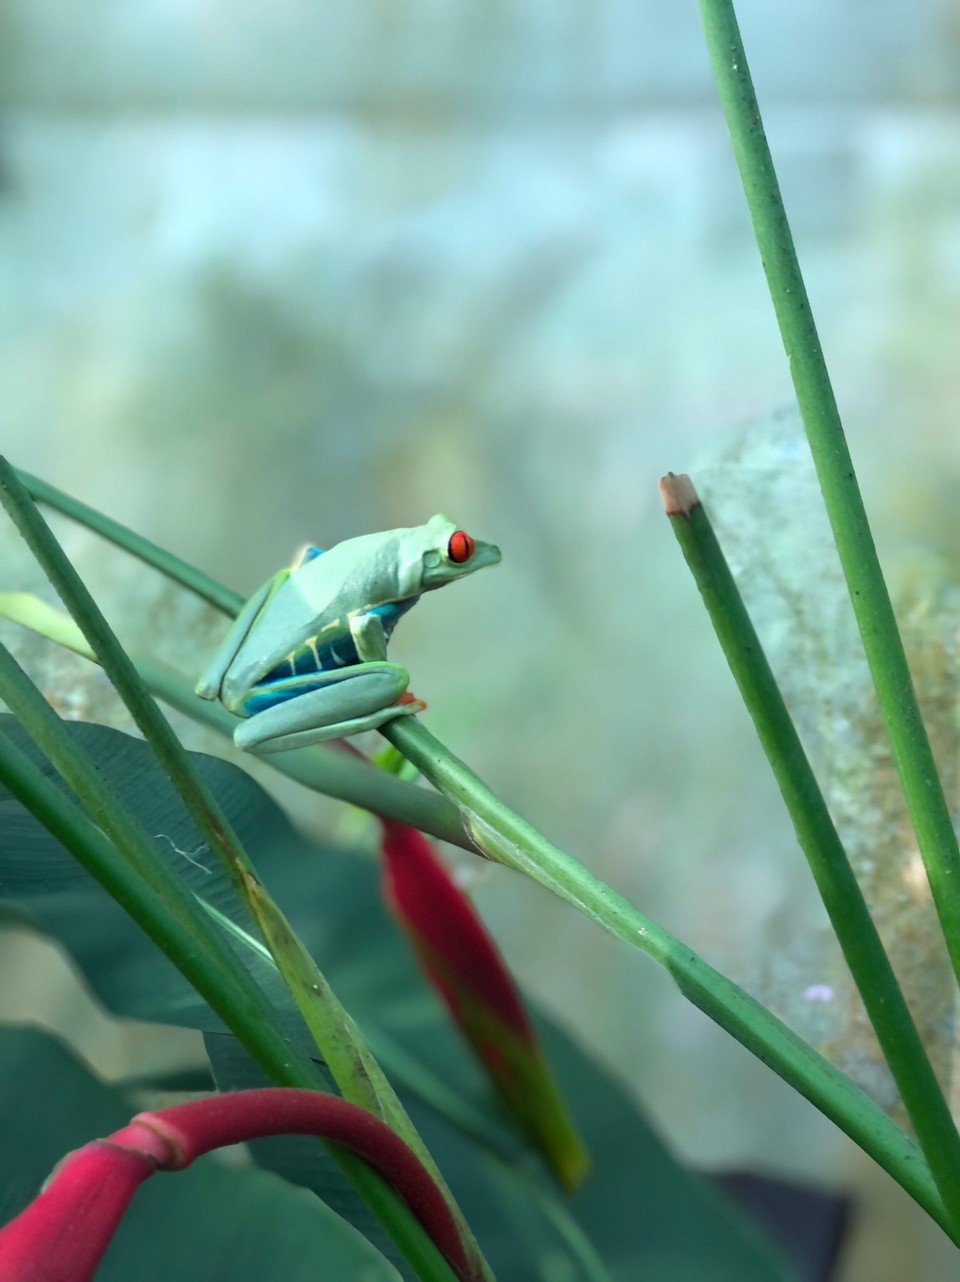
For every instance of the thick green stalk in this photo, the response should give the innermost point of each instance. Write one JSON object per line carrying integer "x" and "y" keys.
{"x": 217, "y": 978}
{"x": 504, "y": 836}
{"x": 842, "y": 897}
{"x": 173, "y": 758}
{"x": 928, "y": 808}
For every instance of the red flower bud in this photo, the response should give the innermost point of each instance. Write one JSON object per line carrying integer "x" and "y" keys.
{"x": 465, "y": 966}
{"x": 63, "y": 1234}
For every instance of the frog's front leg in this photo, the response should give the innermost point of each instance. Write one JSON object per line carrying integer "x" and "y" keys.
{"x": 370, "y": 642}
{"x": 297, "y": 711}
{"x": 369, "y": 637}
{"x": 208, "y": 687}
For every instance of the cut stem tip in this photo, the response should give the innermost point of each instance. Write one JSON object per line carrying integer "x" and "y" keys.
{"x": 678, "y": 494}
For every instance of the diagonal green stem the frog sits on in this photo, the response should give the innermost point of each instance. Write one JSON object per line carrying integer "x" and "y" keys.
{"x": 306, "y": 658}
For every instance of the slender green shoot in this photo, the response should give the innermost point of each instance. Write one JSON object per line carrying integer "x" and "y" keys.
{"x": 177, "y": 569}
{"x": 171, "y": 755}
{"x": 505, "y": 837}
{"x": 121, "y": 855}
{"x": 322, "y": 768}
{"x": 176, "y": 924}
{"x": 351, "y": 1063}
{"x": 843, "y": 899}
{"x": 927, "y": 806}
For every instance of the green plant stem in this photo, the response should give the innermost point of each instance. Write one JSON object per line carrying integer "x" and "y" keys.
{"x": 171, "y": 755}
{"x": 849, "y": 915}
{"x": 177, "y": 569}
{"x": 136, "y": 878}
{"x": 116, "y": 663}
{"x": 348, "y": 1058}
{"x": 505, "y": 837}
{"x": 176, "y": 924}
{"x": 322, "y": 768}
{"x": 928, "y": 808}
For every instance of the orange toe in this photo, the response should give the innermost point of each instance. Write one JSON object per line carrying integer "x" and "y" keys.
{"x": 408, "y": 697}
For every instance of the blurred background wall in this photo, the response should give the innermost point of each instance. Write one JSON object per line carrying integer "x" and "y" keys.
{"x": 272, "y": 273}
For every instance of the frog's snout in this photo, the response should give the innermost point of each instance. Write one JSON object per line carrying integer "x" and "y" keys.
{"x": 484, "y": 554}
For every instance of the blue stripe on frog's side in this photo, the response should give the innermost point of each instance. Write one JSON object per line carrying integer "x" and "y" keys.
{"x": 310, "y": 657}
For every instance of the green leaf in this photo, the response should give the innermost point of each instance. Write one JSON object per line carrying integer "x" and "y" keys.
{"x": 40, "y": 881}
{"x": 640, "y": 1212}
{"x": 208, "y": 1222}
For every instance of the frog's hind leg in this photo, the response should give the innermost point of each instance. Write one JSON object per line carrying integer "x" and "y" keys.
{"x": 313, "y": 707}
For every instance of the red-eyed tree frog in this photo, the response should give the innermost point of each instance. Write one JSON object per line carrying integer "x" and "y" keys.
{"x": 306, "y": 658}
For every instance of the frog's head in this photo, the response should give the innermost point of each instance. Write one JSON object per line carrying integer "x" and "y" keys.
{"x": 445, "y": 552}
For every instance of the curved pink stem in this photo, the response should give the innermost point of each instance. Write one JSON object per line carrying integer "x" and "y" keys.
{"x": 64, "y": 1233}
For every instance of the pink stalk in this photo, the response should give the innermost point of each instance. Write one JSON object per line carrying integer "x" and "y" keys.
{"x": 63, "y": 1235}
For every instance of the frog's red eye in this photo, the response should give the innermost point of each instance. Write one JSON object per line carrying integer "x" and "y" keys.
{"x": 460, "y": 547}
